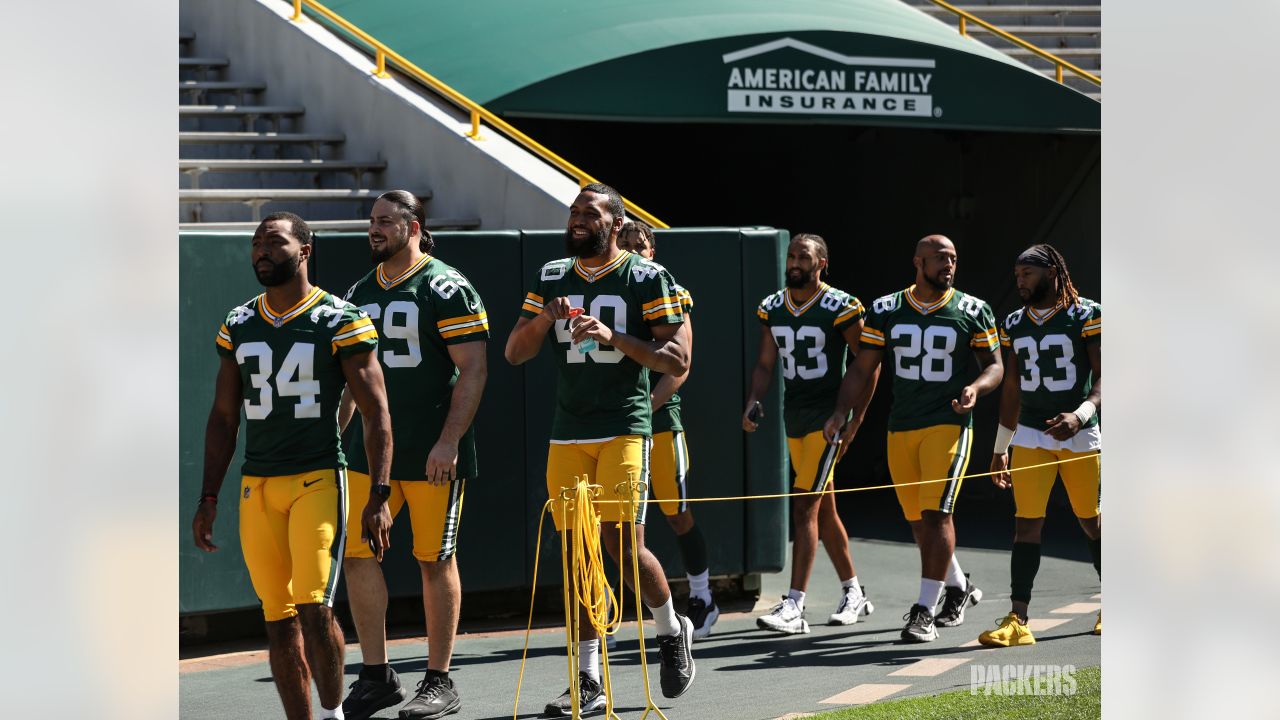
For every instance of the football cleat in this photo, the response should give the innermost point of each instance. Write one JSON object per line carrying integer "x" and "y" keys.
{"x": 1010, "y": 632}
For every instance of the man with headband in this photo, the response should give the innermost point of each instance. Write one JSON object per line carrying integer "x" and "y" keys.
{"x": 1048, "y": 411}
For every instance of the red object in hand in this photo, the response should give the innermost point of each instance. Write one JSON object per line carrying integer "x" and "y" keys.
{"x": 575, "y": 312}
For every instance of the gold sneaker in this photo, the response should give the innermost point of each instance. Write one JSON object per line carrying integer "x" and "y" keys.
{"x": 1097, "y": 627}
{"x": 1011, "y": 632}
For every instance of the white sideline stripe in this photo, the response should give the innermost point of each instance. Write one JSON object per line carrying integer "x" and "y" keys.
{"x": 1079, "y": 608}
{"x": 1034, "y": 624}
{"x": 929, "y": 667}
{"x": 863, "y": 694}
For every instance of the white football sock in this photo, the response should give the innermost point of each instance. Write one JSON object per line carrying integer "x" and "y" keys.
{"x": 797, "y": 596}
{"x": 700, "y": 586}
{"x": 664, "y": 617}
{"x": 955, "y": 576}
{"x": 930, "y": 591}
{"x": 327, "y": 714}
{"x": 589, "y": 658}
{"x": 852, "y": 584}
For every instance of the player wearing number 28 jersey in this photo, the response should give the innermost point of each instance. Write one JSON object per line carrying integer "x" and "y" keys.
{"x": 808, "y": 327}
{"x": 285, "y": 356}
{"x": 1048, "y": 412}
{"x": 930, "y": 335}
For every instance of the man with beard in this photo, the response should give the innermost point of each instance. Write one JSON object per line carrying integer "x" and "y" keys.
{"x": 286, "y": 368}
{"x": 930, "y": 327}
{"x": 433, "y": 329}
{"x": 810, "y": 326}
{"x": 1048, "y": 410}
{"x": 629, "y": 324}
{"x": 671, "y": 455}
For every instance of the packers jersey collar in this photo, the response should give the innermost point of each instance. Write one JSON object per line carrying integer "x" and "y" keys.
{"x": 1040, "y": 317}
{"x": 800, "y": 310}
{"x": 278, "y": 319}
{"x": 592, "y": 275}
{"x": 932, "y": 307}
{"x": 387, "y": 284}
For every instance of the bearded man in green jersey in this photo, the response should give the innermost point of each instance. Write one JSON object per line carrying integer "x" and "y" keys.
{"x": 433, "y": 329}
{"x": 1048, "y": 411}
{"x": 628, "y": 321}
{"x": 943, "y": 343}
{"x": 810, "y": 326}
{"x": 286, "y": 369}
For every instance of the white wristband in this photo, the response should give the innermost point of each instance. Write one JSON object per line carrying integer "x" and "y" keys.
{"x": 1004, "y": 436}
{"x": 1085, "y": 412}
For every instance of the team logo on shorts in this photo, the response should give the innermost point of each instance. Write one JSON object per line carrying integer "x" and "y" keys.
{"x": 246, "y": 493}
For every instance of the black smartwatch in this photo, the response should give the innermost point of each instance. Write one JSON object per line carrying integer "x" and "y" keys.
{"x": 381, "y": 490}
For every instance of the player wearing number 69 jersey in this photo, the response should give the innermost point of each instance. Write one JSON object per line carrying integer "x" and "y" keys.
{"x": 1051, "y": 393}
{"x": 934, "y": 334}
{"x": 285, "y": 356}
{"x": 810, "y": 326}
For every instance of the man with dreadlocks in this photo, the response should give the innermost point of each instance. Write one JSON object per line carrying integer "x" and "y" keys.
{"x": 1052, "y": 393}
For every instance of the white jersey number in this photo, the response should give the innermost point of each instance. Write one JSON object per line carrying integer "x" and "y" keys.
{"x": 295, "y": 379}
{"x": 402, "y": 324}
{"x": 617, "y": 307}
{"x": 787, "y": 340}
{"x": 935, "y": 342}
{"x": 1029, "y": 355}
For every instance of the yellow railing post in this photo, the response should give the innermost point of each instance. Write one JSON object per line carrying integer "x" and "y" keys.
{"x": 297, "y": 10}
{"x": 1058, "y": 72}
{"x": 475, "y": 125}
{"x": 381, "y": 69}
{"x": 963, "y": 30}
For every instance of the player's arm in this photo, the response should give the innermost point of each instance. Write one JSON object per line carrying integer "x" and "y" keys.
{"x": 526, "y": 337}
{"x": 473, "y": 371}
{"x": 665, "y": 353}
{"x": 669, "y": 385}
{"x": 1065, "y": 425}
{"x": 346, "y": 410}
{"x": 852, "y": 334}
{"x": 1010, "y": 404}
{"x": 219, "y": 447}
{"x": 855, "y": 391}
{"x": 761, "y": 378}
{"x": 368, "y": 390}
{"x": 991, "y": 371}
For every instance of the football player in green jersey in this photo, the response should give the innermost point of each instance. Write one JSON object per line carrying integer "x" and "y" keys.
{"x": 931, "y": 329}
{"x": 671, "y": 455}
{"x": 432, "y": 327}
{"x": 810, "y": 326}
{"x": 626, "y": 321}
{"x": 286, "y": 370}
{"x": 1048, "y": 411}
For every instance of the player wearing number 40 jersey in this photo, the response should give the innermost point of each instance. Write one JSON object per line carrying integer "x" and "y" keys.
{"x": 433, "y": 329}
{"x": 810, "y": 326}
{"x": 285, "y": 356}
{"x": 1048, "y": 412}
{"x": 628, "y": 321}
{"x": 934, "y": 334}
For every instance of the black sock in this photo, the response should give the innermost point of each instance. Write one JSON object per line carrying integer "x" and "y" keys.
{"x": 379, "y": 673}
{"x": 1095, "y": 549}
{"x": 1023, "y": 566}
{"x": 693, "y": 550}
{"x": 442, "y": 674}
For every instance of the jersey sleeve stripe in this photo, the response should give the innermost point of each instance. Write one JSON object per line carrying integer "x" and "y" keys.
{"x": 535, "y": 297}
{"x": 353, "y": 328}
{"x": 468, "y": 330}
{"x": 870, "y": 339}
{"x": 1096, "y": 323}
{"x": 662, "y": 301}
{"x": 666, "y": 309}
{"x": 1091, "y": 333}
{"x": 989, "y": 342}
{"x": 368, "y": 333}
{"x": 446, "y": 323}
{"x": 224, "y": 341}
{"x": 851, "y": 312}
{"x": 873, "y": 333}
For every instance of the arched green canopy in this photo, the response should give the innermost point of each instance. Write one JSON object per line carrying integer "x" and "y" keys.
{"x": 878, "y": 62}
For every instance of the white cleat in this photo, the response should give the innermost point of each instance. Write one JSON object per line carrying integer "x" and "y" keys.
{"x": 785, "y": 617}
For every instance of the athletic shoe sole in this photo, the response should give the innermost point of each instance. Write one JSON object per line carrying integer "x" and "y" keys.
{"x": 974, "y": 598}
{"x": 707, "y": 622}
{"x": 912, "y": 638}
{"x": 451, "y": 709}
{"x": 594, "y": 707}
{"x": 867, "y": 609}
{"x": 382, "y": 703}
{"x": 800, "y": 629}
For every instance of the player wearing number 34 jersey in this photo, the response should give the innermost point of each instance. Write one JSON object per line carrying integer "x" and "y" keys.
{"x": 939, "y": 345}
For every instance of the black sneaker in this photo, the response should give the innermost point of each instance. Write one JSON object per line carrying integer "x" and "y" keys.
{"x": 702, "y": 616}
{"x": 369, "y": 696}
{"x": 954, "y": 602}
{"x": 590, "y": 699}
{"x": 919, "y": 625}
{"x": 436, "y": 698}
{"x": 675, "y": 657}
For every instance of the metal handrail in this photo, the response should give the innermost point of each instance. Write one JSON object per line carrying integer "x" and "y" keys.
{"x": 383, "y": 54}
{"x": 1059, "y": 63}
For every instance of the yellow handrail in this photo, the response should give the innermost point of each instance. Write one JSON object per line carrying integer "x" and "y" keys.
{"x": 383, "y": 54}
{"x": 1059, "y": 63}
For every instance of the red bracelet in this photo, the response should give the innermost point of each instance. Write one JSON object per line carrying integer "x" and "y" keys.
{"x": 214, "y": 498}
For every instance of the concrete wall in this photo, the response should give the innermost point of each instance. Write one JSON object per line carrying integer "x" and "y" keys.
{"x": 422, "y": 138}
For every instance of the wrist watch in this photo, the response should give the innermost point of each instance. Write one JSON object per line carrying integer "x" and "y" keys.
{"x": 381, "y": 490}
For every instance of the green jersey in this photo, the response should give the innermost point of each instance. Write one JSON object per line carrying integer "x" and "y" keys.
{"x": 418, "y": 315}
{"x": 667, "y": 417}
{"x": 1053, "y": 363}
{"x": 812, "y": 350}
{"x": 931, "y": 347}
{"x": 292, "y": 378}
{"x": 602, "y": 393}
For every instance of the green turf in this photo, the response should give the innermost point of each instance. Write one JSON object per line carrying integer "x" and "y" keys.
{"x": 1085, "y": 704}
